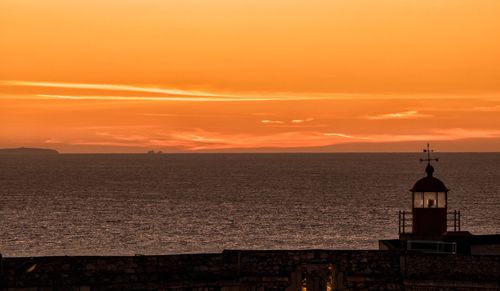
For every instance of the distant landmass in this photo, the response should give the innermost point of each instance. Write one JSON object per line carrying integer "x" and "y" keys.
{"x": 22, "y": 151}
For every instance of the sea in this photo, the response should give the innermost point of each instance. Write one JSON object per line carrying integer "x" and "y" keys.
{"x": 140, "y": 204}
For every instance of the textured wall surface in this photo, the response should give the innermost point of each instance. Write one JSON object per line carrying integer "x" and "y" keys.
{"x": 311, "y": 270}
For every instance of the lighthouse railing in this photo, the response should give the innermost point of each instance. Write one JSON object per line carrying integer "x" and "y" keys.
{"x": 405, "y": 222}
{"x": 453, "y": 221}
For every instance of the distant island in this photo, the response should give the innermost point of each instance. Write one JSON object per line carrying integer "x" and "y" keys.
{"x": 22, "y": 151}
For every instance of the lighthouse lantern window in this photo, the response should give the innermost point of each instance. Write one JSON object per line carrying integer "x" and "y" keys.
{"x": 430, "y": 199}
{"x": 418, "y": 200}
{"x": 441, "y": 199}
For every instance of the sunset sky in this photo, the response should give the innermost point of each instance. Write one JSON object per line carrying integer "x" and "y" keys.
{"x": 250, "y": 75}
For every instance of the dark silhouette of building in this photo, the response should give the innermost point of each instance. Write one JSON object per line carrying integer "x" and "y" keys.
{"x": 430, "y": 227}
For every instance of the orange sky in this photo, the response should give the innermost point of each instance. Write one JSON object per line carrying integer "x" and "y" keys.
{"x": 238, "y": 75}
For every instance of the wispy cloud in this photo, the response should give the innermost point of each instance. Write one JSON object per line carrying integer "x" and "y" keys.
{"x": 114, "y": 90}
{"x": 52, "y": 140}
{"x": 293, "y": 121}
{"x": 145, "y": 98}
{"x": 301, "y": 120}
{"x": 169, "y": 114}
{"x": 166, "y": 94}
{"x": 113, "y": 127}
{"x": 437, "y": 135}
{"x": 487, "y": 108}
{"x": 399, "y": 115}
{"x": 195, "y": 140}
{"x": 463, "y": 133}
{"x": 110, "y": 87}
{"x": 345, "y": 136}
{"x": 124, "y": 137}
{"x": 292, "y": 139}
{"x": 267, "y": 121}
{"x": 113, "y": 93}
{"x": 200, "y": 140}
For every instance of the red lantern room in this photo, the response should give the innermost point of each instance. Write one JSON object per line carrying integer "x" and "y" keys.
{"x": 429, "y": 206}
{"x": 429, "y": 215}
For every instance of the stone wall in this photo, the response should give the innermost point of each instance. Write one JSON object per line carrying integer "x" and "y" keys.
{"x": 307, "y": 270}
{"x": 485, "y": 249}
{"x": 469, "y": 272}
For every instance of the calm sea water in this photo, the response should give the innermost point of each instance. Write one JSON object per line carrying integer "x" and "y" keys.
{"x": 163, "y": 204}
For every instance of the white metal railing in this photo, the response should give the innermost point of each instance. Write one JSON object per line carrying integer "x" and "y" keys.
{"x": 437, "y": 247}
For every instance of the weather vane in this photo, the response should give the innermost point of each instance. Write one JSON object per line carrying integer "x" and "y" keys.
{"x": 429, "y": 159}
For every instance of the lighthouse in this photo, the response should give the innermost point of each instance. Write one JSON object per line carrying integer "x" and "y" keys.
{"x": 430, "y": 227}
{"x": 429, "y": 217}
{"x": 429, "y": 202}
{"x": 429, "y": 224}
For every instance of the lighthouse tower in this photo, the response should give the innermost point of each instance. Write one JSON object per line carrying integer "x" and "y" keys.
{"x": 429, "y": 202}
{"x": 430, "y": 227}
{"x": 429, "y": 217}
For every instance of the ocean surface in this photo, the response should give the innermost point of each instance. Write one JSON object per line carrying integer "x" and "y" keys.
{"x": 188, "y": 203}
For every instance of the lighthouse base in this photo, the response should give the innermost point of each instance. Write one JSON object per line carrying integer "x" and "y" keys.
{"x": 459, "y": 242}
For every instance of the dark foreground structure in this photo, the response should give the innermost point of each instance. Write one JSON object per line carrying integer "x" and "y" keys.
{"x": 307, "y": 270}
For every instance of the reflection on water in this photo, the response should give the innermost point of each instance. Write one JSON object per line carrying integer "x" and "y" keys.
{"x": 143, "y": 204}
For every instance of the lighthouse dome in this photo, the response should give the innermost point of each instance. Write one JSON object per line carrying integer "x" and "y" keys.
{"x": 429, "y": 183}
